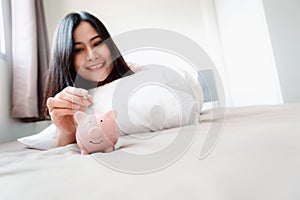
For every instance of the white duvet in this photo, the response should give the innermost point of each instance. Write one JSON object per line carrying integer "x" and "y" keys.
{"x": 257, "y": 157}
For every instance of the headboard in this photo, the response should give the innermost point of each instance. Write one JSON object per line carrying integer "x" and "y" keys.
{"x": 208, "y": 83}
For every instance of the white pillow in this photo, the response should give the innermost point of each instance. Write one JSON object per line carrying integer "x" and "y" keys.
{"x": 152, "y": 99}
{"x": 43, "y": 140}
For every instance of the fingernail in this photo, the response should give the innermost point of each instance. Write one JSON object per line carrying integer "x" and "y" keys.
{"x": 86, "y": 102}
{"x": 90, "y": 98}
{"x": 76, "y": 107}
{"x": 82, "y": 91}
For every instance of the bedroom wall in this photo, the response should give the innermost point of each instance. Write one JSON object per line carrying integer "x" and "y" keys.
{"x": 283, "y": 19}
{"x": 121, "y": 16}
{"x": 4, "y": 101}
{"x": 11, "y": 129}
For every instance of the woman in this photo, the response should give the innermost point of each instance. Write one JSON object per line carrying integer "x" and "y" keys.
{"x": 83, "y": 56}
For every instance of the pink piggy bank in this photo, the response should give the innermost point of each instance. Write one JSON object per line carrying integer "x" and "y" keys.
{"x": 96, "y": 132}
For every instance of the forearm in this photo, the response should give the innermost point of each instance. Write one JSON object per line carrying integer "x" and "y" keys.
{"x": 63, "y": 138}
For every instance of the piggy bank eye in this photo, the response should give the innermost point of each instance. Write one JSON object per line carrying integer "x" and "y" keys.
{"x": 101, "y": 120}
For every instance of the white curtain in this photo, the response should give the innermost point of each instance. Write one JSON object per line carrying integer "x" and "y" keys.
{"x": 30, "y": 50}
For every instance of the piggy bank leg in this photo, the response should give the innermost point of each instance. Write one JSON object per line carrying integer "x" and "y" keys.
{"x": 84, "y": 152}
{"x": 108, "y": 150}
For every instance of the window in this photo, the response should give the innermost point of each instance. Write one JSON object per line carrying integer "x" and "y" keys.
{"x": 247, "y": 49}
{"x": 2, "y": 34}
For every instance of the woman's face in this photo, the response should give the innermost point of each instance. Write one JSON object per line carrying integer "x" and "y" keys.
{"x": 92, "y": 58}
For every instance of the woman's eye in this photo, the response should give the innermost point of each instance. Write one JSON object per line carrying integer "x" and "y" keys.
{"x": 98, "y": 43}
{"x": 78, "y": 50}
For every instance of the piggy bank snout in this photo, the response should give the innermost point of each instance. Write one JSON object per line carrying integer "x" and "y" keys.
{"x": 94, "y": 132}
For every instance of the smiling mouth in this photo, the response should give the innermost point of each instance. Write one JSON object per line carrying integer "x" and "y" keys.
{"x": 96, "y": 142}
{"x": 96, "y": 67}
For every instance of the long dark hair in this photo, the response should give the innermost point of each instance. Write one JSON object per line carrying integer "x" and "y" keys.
{"x": 62, "y": 72}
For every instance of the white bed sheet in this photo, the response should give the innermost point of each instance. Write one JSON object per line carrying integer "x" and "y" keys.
{"x": 256, "y": 157}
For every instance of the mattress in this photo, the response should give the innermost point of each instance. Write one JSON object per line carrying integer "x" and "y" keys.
{"x": 254, "y": 154}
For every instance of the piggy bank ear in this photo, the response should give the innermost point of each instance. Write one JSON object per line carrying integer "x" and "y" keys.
{"x": 79, "y": 115}
{"x": 112, "y": 114}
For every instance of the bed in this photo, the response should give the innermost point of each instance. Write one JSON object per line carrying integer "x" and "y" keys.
{"x": 255, "y": 156}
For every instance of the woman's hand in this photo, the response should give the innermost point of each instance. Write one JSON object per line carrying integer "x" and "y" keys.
{"x": 62, "y": 107}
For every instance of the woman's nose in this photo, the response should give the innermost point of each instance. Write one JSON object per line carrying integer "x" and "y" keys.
{"x": 92, "y": 55}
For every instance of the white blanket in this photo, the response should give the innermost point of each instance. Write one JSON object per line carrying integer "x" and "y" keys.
{"x": 257, "y": 157}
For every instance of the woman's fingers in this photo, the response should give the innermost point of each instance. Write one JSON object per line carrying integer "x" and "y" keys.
{"x": 56, "y": 113}
{"x": 89, "y": 98}
{"x": 72, "y": 98}
{"x": 75, "y": 96}
{"x": 69, "y": 100}
{"x": 78, "y": 92}
{"x": 53, "y": 103}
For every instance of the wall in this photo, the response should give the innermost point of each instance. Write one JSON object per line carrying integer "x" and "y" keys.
{"x": 4, "y": 101}
{"x": 11, "y": 129}
{"x": 283, "y": 19}
{"x": 121, "y": 16}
